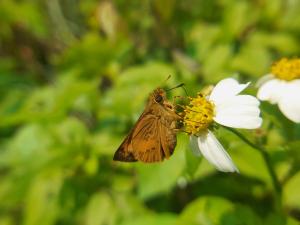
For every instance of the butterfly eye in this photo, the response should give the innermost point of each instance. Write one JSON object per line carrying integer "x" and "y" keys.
{"x": 158, "y": 98}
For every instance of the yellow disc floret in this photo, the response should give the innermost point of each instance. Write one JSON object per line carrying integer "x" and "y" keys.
{"x": 286, "y": 69}
{"x": 198, "y": 115}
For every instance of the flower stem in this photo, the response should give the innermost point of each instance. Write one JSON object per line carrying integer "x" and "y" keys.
{"x": 266, "y": 157}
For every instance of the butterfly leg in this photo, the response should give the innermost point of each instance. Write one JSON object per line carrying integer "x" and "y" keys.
{"x": 178, "y": 97}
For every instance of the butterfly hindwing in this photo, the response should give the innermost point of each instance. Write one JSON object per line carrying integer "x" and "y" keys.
{"x": 168, "y": 140}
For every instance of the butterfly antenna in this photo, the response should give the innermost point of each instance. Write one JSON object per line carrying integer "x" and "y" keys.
{"x": 185, "y": 91}
{"x": 179, "y": 85}
{"x": 165, "y": 81}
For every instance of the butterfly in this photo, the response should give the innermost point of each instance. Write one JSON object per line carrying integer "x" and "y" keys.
{"x": 153, "y": 137}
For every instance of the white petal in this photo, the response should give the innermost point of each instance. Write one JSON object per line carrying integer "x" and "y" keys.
{"x": 240, "y": 122}
{"x": 226, "y": 88}
{"x": 194, "y": 145}
{"x": 214, "y": 152}
{"x": 291, "y": 111}
{"x": 240, "y": 111}
{"x": 264, "y": 79}
{"x": 239, "y": 100}
{"x": 289, "y": 104}
{"x": 243, "y": 110}
{"x": 272, "y": 91}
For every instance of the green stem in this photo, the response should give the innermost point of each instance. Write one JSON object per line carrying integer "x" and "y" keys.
{"x": 262, "y": 150}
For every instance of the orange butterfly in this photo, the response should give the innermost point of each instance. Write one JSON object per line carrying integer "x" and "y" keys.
{"x": 153, "y": 137}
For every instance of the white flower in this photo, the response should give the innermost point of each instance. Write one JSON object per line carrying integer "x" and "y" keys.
{"x": 282, "y": 87}
{"x": 226, "y": 107}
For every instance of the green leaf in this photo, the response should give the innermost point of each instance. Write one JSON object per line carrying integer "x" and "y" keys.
{"x": 30, "y": 146}
{"x": 248, "y": 160}
{"x": 5, "y": 220}
{"x": 291, "y": 194}
{"x": 218, "y": 211}
{"x": 105, "y": 143}
{"x": 280, "y": 41}
{"x": 71, "y": 132}
{"x": 237, "y": 18}
{"x": 42, "y": 199}
{"x": 279, "y": 219}
{"x": 192, "y": 161}
{"x": 152, "y": 219}
{"x": 138, "y": 81}
{"x": 202, "y": 38}
{"x": 216, "y": 63}
{"x": 159, "y": 178}
{"x": 165, "y": 9}
{"x": 100, "y": 210}
{"x": 252, "y": 55}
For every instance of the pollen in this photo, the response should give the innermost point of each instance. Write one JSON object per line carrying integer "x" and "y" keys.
{"x": 198, "y": 114}
{"x": 286, "y": 69}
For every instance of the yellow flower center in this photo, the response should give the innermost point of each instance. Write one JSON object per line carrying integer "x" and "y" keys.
{"x": 287, "y": 69}
{"x": 198, "y": 115}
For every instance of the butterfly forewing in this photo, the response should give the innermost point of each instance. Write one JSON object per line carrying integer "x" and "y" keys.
{"x": 123, "y": 153}
{"x": 146, "y": 142}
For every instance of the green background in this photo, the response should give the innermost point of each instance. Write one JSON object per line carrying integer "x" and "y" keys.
{"x": 74, "y": 77}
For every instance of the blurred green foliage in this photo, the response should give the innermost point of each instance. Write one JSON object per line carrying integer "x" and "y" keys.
{"x": 74, "y": 76}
